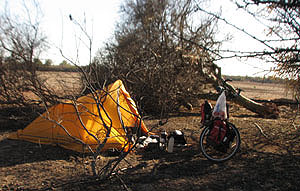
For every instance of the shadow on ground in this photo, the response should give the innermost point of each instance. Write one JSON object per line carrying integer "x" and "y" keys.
{"x": 188, "y": 170}
{"x": 15, "y": 152}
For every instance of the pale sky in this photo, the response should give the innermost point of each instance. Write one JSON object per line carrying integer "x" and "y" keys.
{"x": 101, "y": 16}
{"x": 98, "y": 17}
{"x": 240, "y": 41}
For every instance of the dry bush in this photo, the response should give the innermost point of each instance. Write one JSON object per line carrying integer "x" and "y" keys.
{"x": 159, "y": 54}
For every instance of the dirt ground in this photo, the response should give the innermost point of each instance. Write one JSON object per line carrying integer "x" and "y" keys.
{"x": 268, "y": 159}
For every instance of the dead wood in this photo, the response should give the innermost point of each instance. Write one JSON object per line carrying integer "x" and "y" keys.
{"x": 268, "y": 110}
{"x": 278, "y": 102}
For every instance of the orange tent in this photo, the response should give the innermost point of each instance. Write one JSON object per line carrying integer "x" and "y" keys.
{"x": 76, "y": 125}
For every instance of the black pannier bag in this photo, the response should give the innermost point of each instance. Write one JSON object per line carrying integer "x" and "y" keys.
{"x": 178, "y": 136}
{"x": 206, "y": 112}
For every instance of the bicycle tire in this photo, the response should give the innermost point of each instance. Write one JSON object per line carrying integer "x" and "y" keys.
{"x": 211, "y": 153}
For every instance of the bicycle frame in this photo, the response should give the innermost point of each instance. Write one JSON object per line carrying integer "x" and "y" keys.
{"x": 212, "y": 128}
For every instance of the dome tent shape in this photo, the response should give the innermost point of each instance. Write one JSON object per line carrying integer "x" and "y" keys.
{"x": 74, "y": 126}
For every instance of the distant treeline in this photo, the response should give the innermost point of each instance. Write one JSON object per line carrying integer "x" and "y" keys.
{"x": 58, "y": 68}
{"x": 268, "y": 79}
{"x": 71, "y": 68}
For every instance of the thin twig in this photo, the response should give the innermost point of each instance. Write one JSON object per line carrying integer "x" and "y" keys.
{"x": 296, "y": 114}
{"x": 123, "y": 183}
{"x": 261, "y": 131}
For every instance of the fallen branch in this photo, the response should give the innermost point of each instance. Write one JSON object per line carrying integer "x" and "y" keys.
{"x": 278, "y": 102}
{"x": 263, "y": 110}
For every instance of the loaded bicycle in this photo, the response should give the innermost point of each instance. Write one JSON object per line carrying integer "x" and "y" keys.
{"x": 220, "y": 139}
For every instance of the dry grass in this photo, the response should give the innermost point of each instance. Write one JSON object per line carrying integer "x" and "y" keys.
{"x": 61, "y": 82}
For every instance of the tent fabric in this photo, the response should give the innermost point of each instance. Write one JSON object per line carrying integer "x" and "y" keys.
{"x": 83, "y": 121}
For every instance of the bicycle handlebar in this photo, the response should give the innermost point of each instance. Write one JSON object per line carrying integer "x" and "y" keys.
{"x": 228, "y": 88}
{"x": 227, "y": 80}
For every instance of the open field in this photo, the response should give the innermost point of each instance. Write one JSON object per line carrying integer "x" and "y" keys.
{"x": 265, "y": 162}
{"x": 257, "y": 90}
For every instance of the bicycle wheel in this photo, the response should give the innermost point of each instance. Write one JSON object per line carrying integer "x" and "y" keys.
{"x": 214, "y": 154}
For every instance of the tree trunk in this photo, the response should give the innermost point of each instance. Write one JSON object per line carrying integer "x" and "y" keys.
{"x": 268, "y": 110}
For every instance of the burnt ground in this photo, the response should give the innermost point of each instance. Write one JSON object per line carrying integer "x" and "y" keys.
{"x": 268, "y": 160}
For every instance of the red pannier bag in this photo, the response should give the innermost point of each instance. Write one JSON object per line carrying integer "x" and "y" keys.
{"x": 218, "y": 132}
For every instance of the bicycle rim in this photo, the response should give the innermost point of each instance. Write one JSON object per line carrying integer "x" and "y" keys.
{"x": 211, "y": 153}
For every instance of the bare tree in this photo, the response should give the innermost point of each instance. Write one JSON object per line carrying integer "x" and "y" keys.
{"x": 281, "y": 40}
{"x": 21, "y": 35}
{"x": 165, "y": 57}
{"x": 21, "y": 42}
{"x": 160, "y": 53}
{"x": 98, "y": 94}
{"x": 282, "y": 22}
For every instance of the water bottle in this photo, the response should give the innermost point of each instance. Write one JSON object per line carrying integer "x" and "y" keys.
{"x": 170, "y": 144}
